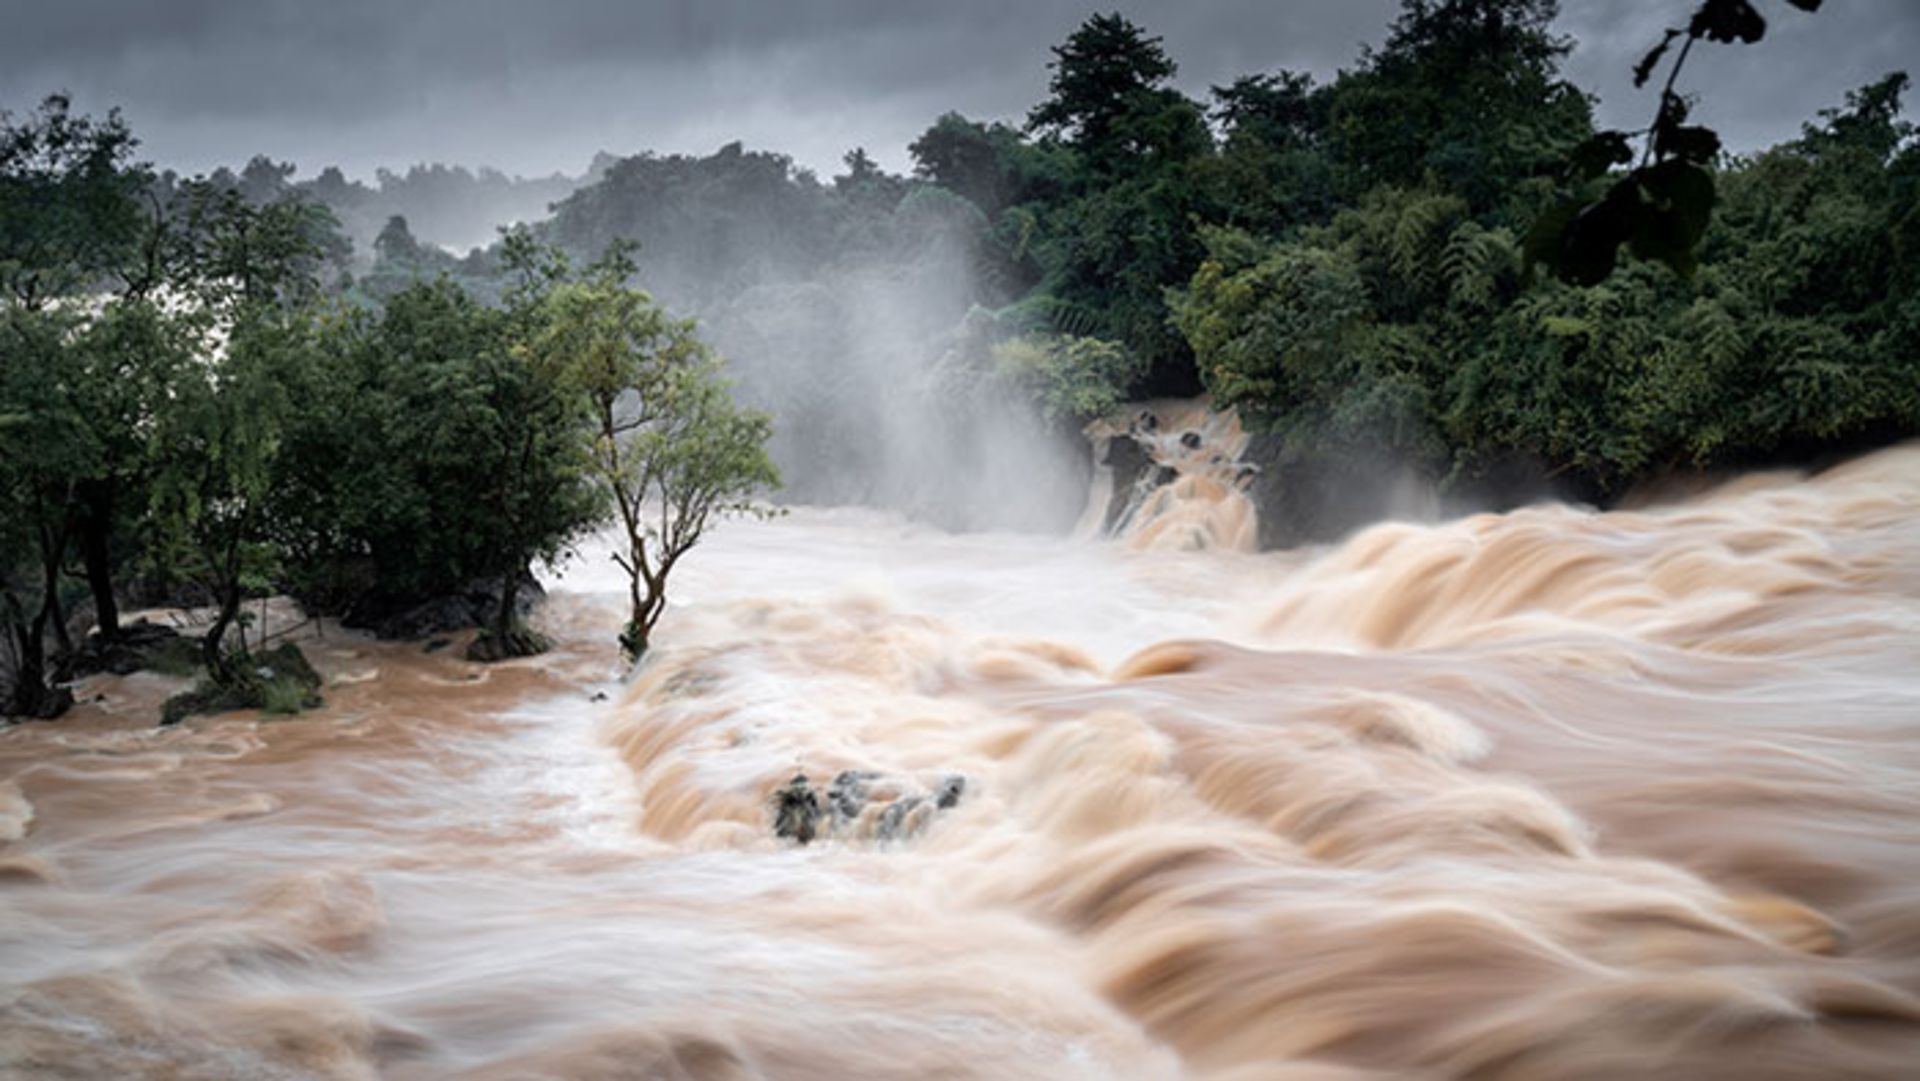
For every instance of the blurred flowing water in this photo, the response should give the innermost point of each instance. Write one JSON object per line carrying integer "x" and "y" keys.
{"x": 1549, "y": 794}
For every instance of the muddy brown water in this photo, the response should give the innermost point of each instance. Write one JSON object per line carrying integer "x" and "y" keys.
{"x": 1550, "y": 794}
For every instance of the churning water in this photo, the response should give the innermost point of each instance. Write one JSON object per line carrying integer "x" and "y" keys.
{"x": 1550, "y": 794}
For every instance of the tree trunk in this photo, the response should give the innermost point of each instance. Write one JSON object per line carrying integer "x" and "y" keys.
{"x": 503, "y": 618}
{"x": 56, "y": 615}
{"x": 53, "y": 552}
{"x": 212, "y": 648}
{"x": 31, "y": 696}
{"x": 645, "y": 612}
{"x": 96, "y": 527}
{"x": 634, "y": 640}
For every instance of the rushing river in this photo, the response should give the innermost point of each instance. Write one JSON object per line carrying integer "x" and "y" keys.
{"x": 1551, "y": 794}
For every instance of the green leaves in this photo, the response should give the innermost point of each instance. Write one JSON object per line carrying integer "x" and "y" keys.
{"x": 663, "y": 441}
{"x": 1103, "y": 75}
{"x": 1073, "y": 376}
{"x": 69, "y": 201}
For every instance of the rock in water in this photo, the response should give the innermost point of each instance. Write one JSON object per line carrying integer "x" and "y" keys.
{"x": 799, "y": 809}
{"x": 847, "y": 795}
{"x": 950, "y": 791}
{"x": 796, "y": 810}
{"x": 898, "y": 820}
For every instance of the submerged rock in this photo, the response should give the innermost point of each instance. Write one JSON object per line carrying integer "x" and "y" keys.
{"x": 950, "y": 790}
{"x": 518, "y": 642}
{"x": 848, "y": 794}
{"x": 859, "y": 804}
{"x": 796, "y": 810}
{"x": 893, "y": 822}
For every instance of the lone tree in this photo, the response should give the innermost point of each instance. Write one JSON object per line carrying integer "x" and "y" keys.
{"x": 669, "y": 443}
{"x": 1105, "y": 75}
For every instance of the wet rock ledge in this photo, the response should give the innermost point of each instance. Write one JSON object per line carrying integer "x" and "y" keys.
{"x": 860, "y": 805}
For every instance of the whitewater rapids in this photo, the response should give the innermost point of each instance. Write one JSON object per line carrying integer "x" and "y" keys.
{"x": 1550, "y": 794}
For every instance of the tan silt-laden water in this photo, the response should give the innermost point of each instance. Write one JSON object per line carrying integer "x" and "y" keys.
{"x": 1549, "y": 794}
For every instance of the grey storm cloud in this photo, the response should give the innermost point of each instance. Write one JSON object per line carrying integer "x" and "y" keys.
{"x": 534, "y": 88}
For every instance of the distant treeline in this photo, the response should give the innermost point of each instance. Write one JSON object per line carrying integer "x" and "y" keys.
{"x": 449, "y": 206}
{"x": 1343, "y": 261}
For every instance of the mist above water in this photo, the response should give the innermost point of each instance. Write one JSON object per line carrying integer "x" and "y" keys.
{"x": 880, "y": 399}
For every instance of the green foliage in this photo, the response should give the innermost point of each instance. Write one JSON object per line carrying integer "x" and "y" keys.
{"x": 1108, "y": 78}
{"x": 1406, "y": 324}
{"x": 1074, "y": 377}
{"x": 1292, "y": 335}
{"x": 668, "y": 444}
{"x": 1465, "y": 95}
{"x": 69, "y": 201}
{"x": 434, "y": 446}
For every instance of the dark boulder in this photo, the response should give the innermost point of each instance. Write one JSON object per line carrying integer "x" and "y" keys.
{"x": 34, "y": 703}
{"x": 473, "y": 605}
{"x": 138, "y": 647}
{"x": 276, "y": 681}
{"x": 1320, "y": 498}
{"x": 1310, "y": 499}
{"x": 796, "y": 810}
{"x": 518, "y": 642}
{"x": 859, "y": 804}
{"x": 1135, "y": 476}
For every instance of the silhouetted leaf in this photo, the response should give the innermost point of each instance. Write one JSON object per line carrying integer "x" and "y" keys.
{"x": 1694, "y": 144}
{"x": 1600, "y": 153}
{"x": 1644, "y": 69}
{"x": 1727, "y": 21}
{"x": 1541, "y": 246}
{"x": 1579, "y": 241}
{"x": 1806, "y": 5}
{"x": 1669, "y": 224}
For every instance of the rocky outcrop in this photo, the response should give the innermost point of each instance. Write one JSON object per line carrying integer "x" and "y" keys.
{"x": 138, "y": 647}
{"x": 860, "y": 805}
{"x": 279, "y": 680}
{"x": 1306, "y": 502}
{"x": 1135, "y": 475}
{"x": 473, "y": 605}
{"x": 518, "y": 642}
{"x": 1322, "y": 498}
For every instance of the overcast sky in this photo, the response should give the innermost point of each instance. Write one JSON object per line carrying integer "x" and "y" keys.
{"x": 534, "y": 88}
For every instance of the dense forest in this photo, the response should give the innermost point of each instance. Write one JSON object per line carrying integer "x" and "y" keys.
{"x": 1346, "y": 263}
